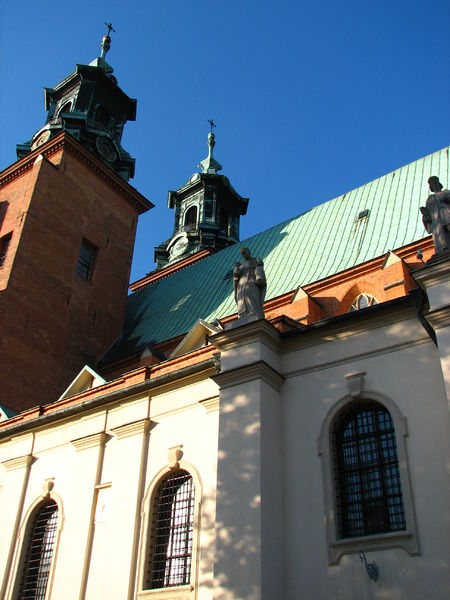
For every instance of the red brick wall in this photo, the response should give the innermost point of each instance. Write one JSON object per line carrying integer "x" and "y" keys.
{"x": 52, "y": 321}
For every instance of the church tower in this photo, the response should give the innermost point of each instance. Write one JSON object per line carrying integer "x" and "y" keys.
{"x": 67, "y": 227}
{"x": 207, "y": 212}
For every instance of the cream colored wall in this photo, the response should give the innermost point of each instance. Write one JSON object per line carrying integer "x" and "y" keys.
{"x": 403, "y": 364}
{"x": 127, "y": 446}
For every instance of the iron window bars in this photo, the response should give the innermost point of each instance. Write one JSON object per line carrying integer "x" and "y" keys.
{"x": 39, "y": 552}
{"x": 170, "y": 554}
{"x": 369, "y": 494}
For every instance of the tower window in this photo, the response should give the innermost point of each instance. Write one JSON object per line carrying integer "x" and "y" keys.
{"x": 4, "y": 245}
{"x": 170, "y": 554}
{"x": 223, "y": 219}
{"x": 86, "y": 260}
{"x": 39, "y": 552}
{"x": 190, "y": 219}
{"x": 368, "y": 488}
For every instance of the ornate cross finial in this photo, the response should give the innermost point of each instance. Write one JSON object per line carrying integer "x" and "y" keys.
{"x": 110, "y": 28}
{"x": 211, "y": 124}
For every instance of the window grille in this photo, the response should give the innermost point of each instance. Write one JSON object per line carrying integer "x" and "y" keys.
{"x": 172, "y": 532}
{"x": 369, "y": 494}
{"x": 86, "y": 260}
{"x": 39, "y": 553}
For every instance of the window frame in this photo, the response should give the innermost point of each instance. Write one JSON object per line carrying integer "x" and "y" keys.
{"x": 5, "y": 244}
{"x": 186, "y": 591}
{"x": 336, "y": 546}
{"x": 23, "y": 541}
{"x": 85, "y": 243}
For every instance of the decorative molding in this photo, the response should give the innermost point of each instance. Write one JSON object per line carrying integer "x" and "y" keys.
{"x": 48, "y": 486}
{"x": 394, "y": 284}
{"x": 65, "y": 141}
{"x": 439, "y": 318}
{"x": 19, "y": 462}
{"x": 433, "y": 273}
{"x": 174, "y": 455}
{"x": 258, "y": 370}
{"x": 355, "y": 382}
{"x": 256, "y": 331}
{"x": 90, "y": 441}
{"x": 210, "y": 404}
{"x": 134, "y": 428}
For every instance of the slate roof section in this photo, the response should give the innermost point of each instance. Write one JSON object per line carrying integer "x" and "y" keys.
{"x": 319, "y": 243}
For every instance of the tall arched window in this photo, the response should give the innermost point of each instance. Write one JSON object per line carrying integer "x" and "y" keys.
{"x": 38, "y": 552}
{"x": 368, "y": 489}
{"x": 170, "y": 552}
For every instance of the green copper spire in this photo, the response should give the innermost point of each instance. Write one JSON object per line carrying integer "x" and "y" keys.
{"x": 210, "y": 164}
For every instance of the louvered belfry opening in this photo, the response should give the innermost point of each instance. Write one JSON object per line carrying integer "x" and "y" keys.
{"x": 170, "y": 553}
{"x": 368, "y": 488}
{"x": 39, "y": 552}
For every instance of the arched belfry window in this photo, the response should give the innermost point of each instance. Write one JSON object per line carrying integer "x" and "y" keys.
{"x": 38, "y": 552}
{"x": 368, "y": 489}
{"x": 363, "y": 301}
{"x": 190, "y": 219}
{"x": 171, "y": 536}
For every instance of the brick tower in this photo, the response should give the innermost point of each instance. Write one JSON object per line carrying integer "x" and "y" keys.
{"x": 67, "y": 226}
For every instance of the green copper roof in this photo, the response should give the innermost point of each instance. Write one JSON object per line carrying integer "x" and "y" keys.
{"x": 346, "y": 231}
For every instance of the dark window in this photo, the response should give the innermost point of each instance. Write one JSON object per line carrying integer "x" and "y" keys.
{"x": 223, "y": 219}
{"x": 4, "y": 245}
{"x": 190, "y": 219}
{"x": 86, "y": 260}
{"x": 368, "y": 488}
{"x": 170, "y": 553}
{"x": 39, "y": 552}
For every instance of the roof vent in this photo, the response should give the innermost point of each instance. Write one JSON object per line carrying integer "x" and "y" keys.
{"x": 363, "y": 214}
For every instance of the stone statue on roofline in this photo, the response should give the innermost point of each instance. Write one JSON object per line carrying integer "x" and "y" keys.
{"x": 436, "y": 215}
{"x": 249, "y": 288}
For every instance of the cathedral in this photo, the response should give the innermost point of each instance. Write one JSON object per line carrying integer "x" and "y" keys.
{"x": 150, "y": 431}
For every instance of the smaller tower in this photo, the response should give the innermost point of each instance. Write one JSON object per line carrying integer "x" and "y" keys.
{"x": 89, "y": 105}
{"x": 207, "y": 212}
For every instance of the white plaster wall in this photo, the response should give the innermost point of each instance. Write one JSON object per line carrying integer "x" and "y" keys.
{"x": 410, "y": 374}
{"x": 179, "y": 418}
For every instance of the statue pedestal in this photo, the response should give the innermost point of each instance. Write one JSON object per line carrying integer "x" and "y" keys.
{"x": 434, "y": 279}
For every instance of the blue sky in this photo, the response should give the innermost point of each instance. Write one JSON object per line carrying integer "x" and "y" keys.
{"x": 310, "y": 99}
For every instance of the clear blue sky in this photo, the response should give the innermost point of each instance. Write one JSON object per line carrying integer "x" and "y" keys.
{"x": 311, "y": 99}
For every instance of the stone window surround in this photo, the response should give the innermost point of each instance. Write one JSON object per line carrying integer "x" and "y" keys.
{"x": 22, "y": 540}
{"x": 407, "y": 539}
{"x": 181, "y": 592}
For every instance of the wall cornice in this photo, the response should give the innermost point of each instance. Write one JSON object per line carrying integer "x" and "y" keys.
{"x": 257, "y": 331}
{"x": 65, "y": 141}
{"x": 19, "y": 462}
{"x": 258, "y": 370}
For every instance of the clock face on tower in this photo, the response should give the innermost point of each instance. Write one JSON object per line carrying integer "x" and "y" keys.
{"x": 41, "y": 139}
{"x": 105, "y": 148}
{"x": 178, "y": 247}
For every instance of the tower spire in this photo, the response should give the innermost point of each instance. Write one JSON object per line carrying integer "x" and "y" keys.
{"x": 210, "y": 164}
{"x": 106, "y": 42}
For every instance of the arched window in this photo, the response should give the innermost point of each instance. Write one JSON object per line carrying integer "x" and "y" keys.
{"x": 38, "y": 552}
{"x": 368, "y": 489}
{"x": 171, "y": 537}
{"x": 190, "y": 219}
{"x": 363, "y": 301}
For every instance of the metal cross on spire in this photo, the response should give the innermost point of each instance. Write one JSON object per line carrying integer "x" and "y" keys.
{"x": 110, "y": 28}
{"x": 211, "y": 124}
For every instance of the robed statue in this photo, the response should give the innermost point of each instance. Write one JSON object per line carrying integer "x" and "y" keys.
{"x": 436, "y": 215}
{"x": 249, "y": 287}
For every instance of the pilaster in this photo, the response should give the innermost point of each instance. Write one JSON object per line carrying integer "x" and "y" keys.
{"x": 249, "y": 563}
{"x": 434, "y": 279}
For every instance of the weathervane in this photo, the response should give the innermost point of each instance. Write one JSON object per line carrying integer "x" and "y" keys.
{"x": 110, "y": 28}
{"x": 211, "y": 124}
